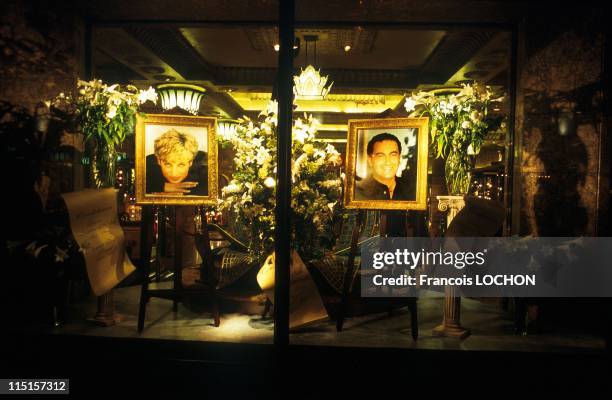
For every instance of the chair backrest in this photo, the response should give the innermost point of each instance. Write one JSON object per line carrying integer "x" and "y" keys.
{"x": 478, "y": 218}
{"x": 370, "y": 231}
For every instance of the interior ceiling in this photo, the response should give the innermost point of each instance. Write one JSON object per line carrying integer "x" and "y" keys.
{"x": 236, "y": 64}
{"x": 370, "y": 48}
{"x": 419, "y": 11}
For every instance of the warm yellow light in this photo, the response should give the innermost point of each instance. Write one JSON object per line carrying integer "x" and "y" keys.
{"x": 187, "y": 97}
{"x": 335, "y": 103}
{"x": 347, "y": 48}
{"x": 333, "y": 127}
{"x": 277, "y": 47}
{"x": 227, "y": 128}
{"x": 310, "y": 85}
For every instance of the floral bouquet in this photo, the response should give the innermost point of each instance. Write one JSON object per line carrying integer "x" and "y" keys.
{"x": 108, "y": 112}
{"x": 315, "y": 193}
{"x": 106, "y": 115}
{"x": 458, "y": 126}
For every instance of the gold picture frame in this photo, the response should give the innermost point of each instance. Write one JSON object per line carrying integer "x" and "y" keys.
{"x": 148, "y": 182}
{"x": 362, "y": 188}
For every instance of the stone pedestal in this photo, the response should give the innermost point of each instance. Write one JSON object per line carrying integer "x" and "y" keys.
{"x": 451, "y": 205}
{"x": 105, "y": 315}
{"x": 451, "y": 323}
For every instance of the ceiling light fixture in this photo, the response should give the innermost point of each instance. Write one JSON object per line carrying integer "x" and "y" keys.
{"x": 277, "y": 47}
{"x": 310, "y": 85}
{"x": 182, "y": 95}
{"x": 227, "y": 128}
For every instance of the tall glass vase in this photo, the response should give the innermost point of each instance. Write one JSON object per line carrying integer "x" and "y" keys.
{"x": 457, "y": 173}
{"x": 104, "y": 165}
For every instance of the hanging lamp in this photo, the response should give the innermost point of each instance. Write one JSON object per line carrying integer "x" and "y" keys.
{"x": 182, "y": 95}
{"x": 309, "y": 84}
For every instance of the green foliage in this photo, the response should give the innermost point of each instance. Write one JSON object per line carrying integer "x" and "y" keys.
{"x": 459, "y": 123}
{"x": 106, "y": 116}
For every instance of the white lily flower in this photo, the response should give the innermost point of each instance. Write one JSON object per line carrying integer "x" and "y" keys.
{"x": 410, "y": 104}
{"x": 147, "y": 95}
{"x": 270, "y": 182}
{"x": 112, "y": 112}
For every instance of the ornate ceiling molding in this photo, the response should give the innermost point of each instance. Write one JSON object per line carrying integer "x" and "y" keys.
{"x": 357, "y": 104}
{"x": 359, "y": 38}
{"x": 452, "y": 53}
{"x": 343, "y": 78}
{"x": 172, "y": 47}
{"x": 262, "y": 39}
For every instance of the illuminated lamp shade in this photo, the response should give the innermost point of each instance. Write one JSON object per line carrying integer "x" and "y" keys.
{"x": 226, "y": 128}
{"x": 181, "y": 95}
{"x": 310, "y": 85}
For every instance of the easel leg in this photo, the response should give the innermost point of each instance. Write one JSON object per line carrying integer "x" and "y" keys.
{"x": 414, "y": 319}
{"x": 215, "y": 310}
{"x": 161, "y": 243}
{"x": 414, "y": 227}
{"x": 142, "y": 308}
{"x": 146, "y": 236}
{"x": 267, "y": 307}
{"x": 178, "y": 261}
{"x": 350, "y": 270}
{"x": 206, "y": 272}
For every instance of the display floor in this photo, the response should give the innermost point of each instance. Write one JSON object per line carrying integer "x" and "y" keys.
{"x": 492, "y": 328}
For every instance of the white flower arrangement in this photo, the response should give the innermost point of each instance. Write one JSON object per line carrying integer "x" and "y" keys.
{"x": 108, "y": 112}
{"x": 458, "y": 125}
{"x": 315, "y": 192}
{"x": 106, "y": 115}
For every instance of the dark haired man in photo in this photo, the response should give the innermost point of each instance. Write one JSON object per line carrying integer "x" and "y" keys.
{"x": 384, "y": 155}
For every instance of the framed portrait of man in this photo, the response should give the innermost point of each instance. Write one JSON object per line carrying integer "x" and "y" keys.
{"x": 176, "y": 160}
{"x": 386, "y": 164}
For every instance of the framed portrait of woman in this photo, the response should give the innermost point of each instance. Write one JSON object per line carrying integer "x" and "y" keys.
{"x": 386, "y": 164}
{"x": 176, "y": 160}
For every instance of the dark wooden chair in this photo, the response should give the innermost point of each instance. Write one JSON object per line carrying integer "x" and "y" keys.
{"x": 176, "y": 293}
{"x": 221, "y": 251}
{"x": 366, "y": 226}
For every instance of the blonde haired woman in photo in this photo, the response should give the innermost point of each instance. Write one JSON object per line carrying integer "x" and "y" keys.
{"x": 177, "y": 166}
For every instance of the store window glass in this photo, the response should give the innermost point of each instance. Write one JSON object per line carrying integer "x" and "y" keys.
{"x": 361, "y": 95}
{"x": 210, "y": 218}
{"x": 191, "y": 157}
{"x": 399, "y": 112}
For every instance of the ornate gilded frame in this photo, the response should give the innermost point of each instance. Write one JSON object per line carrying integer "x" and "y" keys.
{"x": 176, "y": 120}
{"x": 358, "y": 125}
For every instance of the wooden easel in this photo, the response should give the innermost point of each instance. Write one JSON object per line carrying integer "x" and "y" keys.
{"x": 176, "y": 293}
{"x": 351, "y": 270}
{"x": 206, "y": 270}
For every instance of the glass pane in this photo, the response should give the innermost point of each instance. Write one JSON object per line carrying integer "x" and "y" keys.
{"x": 360, "y": 83}
{"x": 195, "y": 145}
